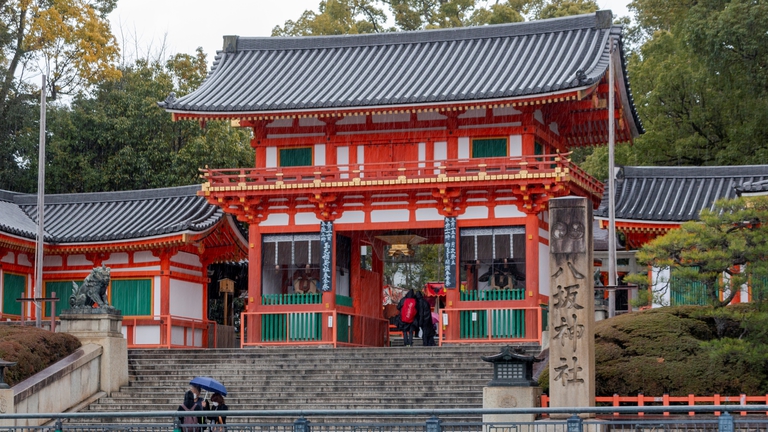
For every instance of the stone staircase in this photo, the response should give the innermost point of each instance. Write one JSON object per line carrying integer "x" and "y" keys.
{"x": 309, "y": 378}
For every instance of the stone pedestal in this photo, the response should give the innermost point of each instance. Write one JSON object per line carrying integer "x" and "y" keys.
{"x": 510, "y": 397}
{"x": 103, "y": 329}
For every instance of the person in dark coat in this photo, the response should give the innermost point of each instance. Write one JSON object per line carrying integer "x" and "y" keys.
{"x": 425, "y": 320}
{"x": 189, "y": 405}
{"x": 408, "y": 328}
{"x": 217, "y": 404}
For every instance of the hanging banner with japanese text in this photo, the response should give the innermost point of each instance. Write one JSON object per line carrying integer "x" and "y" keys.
{"x": 326, "y": 256}
{"x": 449, "y": 240}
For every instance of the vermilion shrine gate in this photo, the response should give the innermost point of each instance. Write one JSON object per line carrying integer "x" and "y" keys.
{"x": 368, "y": 144}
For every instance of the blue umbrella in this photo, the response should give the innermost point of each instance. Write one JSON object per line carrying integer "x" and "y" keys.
{"x": 210, "y": 384}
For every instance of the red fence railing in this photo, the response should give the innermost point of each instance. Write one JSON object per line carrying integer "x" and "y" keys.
{"x": 667, "y": 400}
{"x": 433, "y": 169}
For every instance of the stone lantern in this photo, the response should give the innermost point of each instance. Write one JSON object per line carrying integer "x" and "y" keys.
{"x": 512, "y": 385}
{"x": 511, "y": 367}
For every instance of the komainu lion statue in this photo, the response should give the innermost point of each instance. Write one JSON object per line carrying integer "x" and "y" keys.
{"x": 92, "y": 290}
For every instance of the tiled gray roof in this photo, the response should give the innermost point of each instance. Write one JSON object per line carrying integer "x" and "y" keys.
{"x": 752, "y": 187}
{"x": 13, "y": 220}
{"x": 675, "y": 194}
{"x": 401, "y": 68}
{"x": 109, "y": 216}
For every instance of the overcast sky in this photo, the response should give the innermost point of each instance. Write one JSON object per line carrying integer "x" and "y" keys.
{"x": 142, "y": 25}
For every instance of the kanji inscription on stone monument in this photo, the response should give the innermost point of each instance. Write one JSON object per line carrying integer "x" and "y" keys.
{"x": 571, "y": 303}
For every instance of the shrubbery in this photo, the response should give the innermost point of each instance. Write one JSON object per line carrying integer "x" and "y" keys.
{"x": 33, "y": 350}
{"x": 681, "y": 351}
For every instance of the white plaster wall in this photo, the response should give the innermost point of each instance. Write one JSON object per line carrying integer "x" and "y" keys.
{"x": 147, "y": 335}
{"x": 660, "y": 278}
{"x": 507, "y": 211}
{"x": 53, "y": 261}
{"x": 271, "y": 161}
{"x": 308, "y": 218}
{"x": 351, "y": 217}
{"x": 428, "y": 214}
{"x": 186, "y": 299}
{"x": 198, "y": 335}
{"x": 422, "y": 153}
{"x": 319, "y": 154}
{"x": 24, "y": 260}
{"x": 441, "y": 150}
{"x": 177, "y": 336}
{"x": 117, "y": 258}
{"x": 276, "y": 219}
{"x": 515, "y": 145}
{"x": 543, "y": 233}
{"x": 8, "y": 258}
{"x": 390, "y": 216}
{"x": 342, "y": 160}
{"x": 144, "y": 256}
{"x": 186, "y": 258}
{"x": 156, "y": 294}
{"x": 538, "y": 116}
{"x": 342, "y": 282}
{"x": 463, "y": 147}
{"x": 196, "y": 273}
{"x": 475, "y": 212}
{"x": 78, "y": 260}
{"x": 544, "y": 276}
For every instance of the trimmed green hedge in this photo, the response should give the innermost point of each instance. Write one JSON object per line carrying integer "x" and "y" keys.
{"x": 682, "y": 350}
{"x": 33, "y": 349}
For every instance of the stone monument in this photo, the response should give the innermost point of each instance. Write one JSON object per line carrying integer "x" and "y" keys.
{"x": 94, "y": 321}
{"x": 512, "y": 387}
{"x": 571, "y": 304}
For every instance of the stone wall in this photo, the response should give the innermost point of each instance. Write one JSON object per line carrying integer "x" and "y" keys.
{"x": 59, "y": 388}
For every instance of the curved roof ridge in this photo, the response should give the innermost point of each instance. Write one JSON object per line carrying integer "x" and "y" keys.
{"x": 90, "y": 197}
{"x": 693, "y": 171}
{"x": 568, "y": 23}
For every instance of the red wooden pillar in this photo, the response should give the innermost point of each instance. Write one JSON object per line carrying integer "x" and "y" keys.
{"x": 165, "y": 282}
{"x": 532, "y": 273}
{"x": 253, "y": 323}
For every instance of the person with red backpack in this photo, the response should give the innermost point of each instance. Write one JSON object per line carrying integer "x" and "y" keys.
{"x": 409, "y": 317}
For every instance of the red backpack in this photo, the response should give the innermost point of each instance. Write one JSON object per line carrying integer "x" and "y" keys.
{"x": 408, "y": 311}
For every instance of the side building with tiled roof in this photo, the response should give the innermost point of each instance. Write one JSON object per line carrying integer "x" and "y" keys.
{"x": 652, "y": 200}
{"x": 157, "y": 242}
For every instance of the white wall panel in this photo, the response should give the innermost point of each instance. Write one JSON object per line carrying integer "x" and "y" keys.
{"x": 463, "y": 147}
{"x": 507, "y": 211}
{"x": 351, "y": 217}
{"x": 144, "y": 256}
{"x": 390, "y": 216}
{"x": 186, "y": 299}
{"x": 475, "y": 212}
{"x": 117, "y": 258}
{"x": 428, "y": 214}
{"x": 319, "y": 154}
{"x": 544, "y": 276}
{"x": 76, "y": 260}
{"x": 186, "y": 258}
{"x": 307, "y": 218}
{"x": 515, "y": 145}
{"x": 276, "y": 219}
{"x": 271, "y": 161}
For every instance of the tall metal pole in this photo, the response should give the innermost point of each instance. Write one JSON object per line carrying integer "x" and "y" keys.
{"x": 611, "y": 189}
{"x": 40, "y": 211}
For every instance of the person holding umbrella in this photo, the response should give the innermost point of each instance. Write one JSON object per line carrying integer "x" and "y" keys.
{"x": 190, "y": 406}
{"x": 217, "y": 404}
